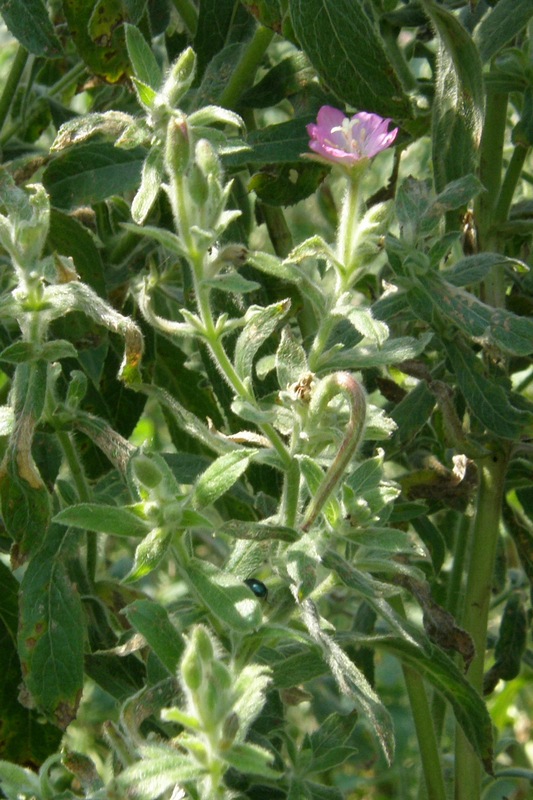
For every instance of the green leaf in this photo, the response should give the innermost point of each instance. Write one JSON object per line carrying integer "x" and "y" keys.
{"x": 332, "y": 32}
{"x": 459, "y": 99}
{"x": 101, "y": 518}
{"x": 19, "y": 725}
{"x": 220, "y": 476}
{"x": 152, "y": 621}
{"x": 492, "y": 326}
{"x": 259, "y": 531}
{"x": 98, "y": 35}
{"x": 487, "y": 400}
{"x": 501, "y": 25}
{"x": 167, "y": 239}
{"x": 143, "y": 61}
{"x": 290, "y": 76}
{"x": 224, "y": 595}
{"x": 232, "y": 282}
{"x": 351, "y": 681}
{"x": 29, "y": 22}
{"x": 392, "y": 540}
{"x": 52, "y": 630}
{"x": 251, "y": 759}
{"x": 92, "y": 172}
{"x": 161, "y": 768}
{"x": 69, "y": 237}
{"x": 260, "y": 323}
{"x": 151, "y": 179}
{"x": 328, "y": 743}
{"x": 214, "y": 22}
{"x": 291, "y": 360}
{"x": 284, "y": 143}
{"x": 17, "y": 780}
{"x": 439, "y": 669}
{"x": 298, "y": 668}
{"x": 287, "y": 184}
{"x": 473, "y": 269}
{"x": 512, "y": 641}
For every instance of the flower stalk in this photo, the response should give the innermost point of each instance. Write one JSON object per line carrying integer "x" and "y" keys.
{"x": 346, "y": 385}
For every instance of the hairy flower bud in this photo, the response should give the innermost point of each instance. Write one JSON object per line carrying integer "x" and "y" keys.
{"x": 180, "y": 77}
{"x": 177, "y": 150}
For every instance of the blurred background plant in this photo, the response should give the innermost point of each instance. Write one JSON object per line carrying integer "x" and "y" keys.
{"x": 266, "y": 424}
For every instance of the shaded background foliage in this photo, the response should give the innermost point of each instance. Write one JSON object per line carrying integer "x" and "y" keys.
{"x": 445, "y": 359}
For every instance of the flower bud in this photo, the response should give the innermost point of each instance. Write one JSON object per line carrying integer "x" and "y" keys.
{"x": 207, "y": 160}
{"x": 191, "y": 668}
{"x": 203, "y": 644}
{"x": 180, "y": 77}
{"x": 229, "y": 731}
{"x": 177, "y": 149}
{"x": 147, "y": 473}
{"x": 198, "y": 186}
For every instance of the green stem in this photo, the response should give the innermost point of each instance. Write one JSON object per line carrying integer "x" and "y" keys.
{"x": 424, "y": 724}
{"x": 396, "y": 56}
{"x": 63, "y": 83}
{"x": 490, "y": 163}
{"x": 482, "y": 558}
{"x": 512, "y": 176}
{"x": 12, "y": 81}
{"x": 189, "y": 14}
{"x": 348, "y": 224}
{"x": 291, "y": 492}
{"x": 84, "y": 495}
{"x": 244, "y": 73}
{"x": 334, "y": 384}
{"x": 278, "y": 230}
{"x": 454, "y": 604}
{"x": 223, "y": 362}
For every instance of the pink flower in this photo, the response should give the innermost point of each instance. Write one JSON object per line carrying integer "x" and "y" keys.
{"x": 342, "y": 140}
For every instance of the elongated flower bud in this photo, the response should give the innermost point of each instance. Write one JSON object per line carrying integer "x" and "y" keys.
{"x": 177, "y": 150}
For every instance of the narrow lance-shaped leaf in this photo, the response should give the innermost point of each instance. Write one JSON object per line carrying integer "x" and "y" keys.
{"x": 141, "y": 57}
{"x": 101, "y": 518}
{"x": 351, "y": 681}
{"x": 260, "y": 324}
{"x": 220, "y": 476}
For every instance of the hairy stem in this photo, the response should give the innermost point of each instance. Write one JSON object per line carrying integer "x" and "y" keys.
{"x": 334, "y": 384}
{"x": 482, "y": 558}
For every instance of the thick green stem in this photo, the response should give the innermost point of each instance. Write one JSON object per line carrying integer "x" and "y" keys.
{"x": 244, "y": 73}
{"x": 483, "y": 546}
{"x": 12, "y": 82}
{"x": 424, "y": 725}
